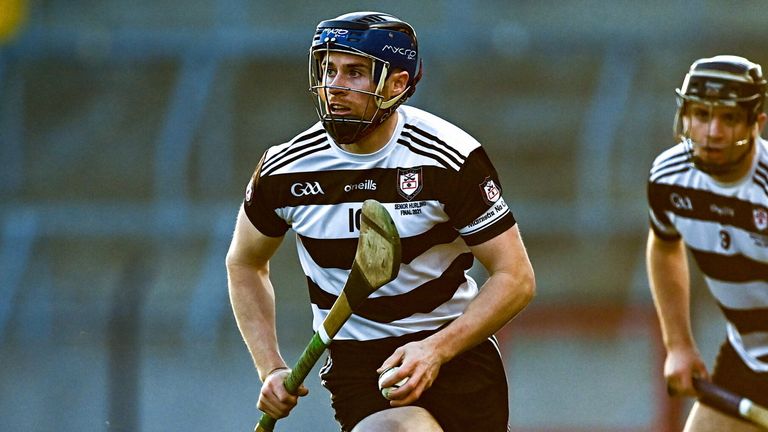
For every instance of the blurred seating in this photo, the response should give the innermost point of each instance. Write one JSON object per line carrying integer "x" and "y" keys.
{"x": 130, "y": 129}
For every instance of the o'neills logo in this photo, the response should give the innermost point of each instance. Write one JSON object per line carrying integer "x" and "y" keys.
{"x": 760, "y": 216}
{"x": 364, "y": 185}
{"x": 409, "y": 182}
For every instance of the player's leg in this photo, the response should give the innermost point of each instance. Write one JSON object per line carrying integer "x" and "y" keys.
{"x": 400, "y": 419}
{"x": 350, "y": 375}
{"x": 471, "y": 392}
{"x": 705, "y": 419}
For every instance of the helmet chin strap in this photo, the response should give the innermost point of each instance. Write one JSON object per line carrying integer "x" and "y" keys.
{"x": 381, "y": 103}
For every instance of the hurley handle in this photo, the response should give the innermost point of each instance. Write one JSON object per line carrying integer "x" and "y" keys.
{"x": 293, "y": 381}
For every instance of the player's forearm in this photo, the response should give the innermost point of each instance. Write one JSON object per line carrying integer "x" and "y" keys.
{"x": 669, "y": 280}
{"x": 501, "y": 298}
{"x": 253, "y": 303}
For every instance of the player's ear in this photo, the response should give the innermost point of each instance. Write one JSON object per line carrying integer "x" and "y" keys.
{"x": 397, "y": 82}
{"x": 761, "y": 122}
{"x": 686, "y": 121}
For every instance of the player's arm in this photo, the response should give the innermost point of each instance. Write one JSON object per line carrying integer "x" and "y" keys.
{"x": 668, "y": 274}
{"x": 253, "y": 303}
{"x": 509, "y": 288}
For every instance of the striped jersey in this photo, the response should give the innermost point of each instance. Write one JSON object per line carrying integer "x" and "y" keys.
{"x": 725, "y": 227}
{"x": 438, "y": 185}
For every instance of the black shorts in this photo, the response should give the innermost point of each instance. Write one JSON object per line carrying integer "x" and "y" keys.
{"x": 731, "y": 373}
{"x": 470, "y": 392}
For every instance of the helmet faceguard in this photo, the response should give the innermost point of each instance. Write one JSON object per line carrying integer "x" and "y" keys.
{"x": 721, "y": 81}
{"x": 389, "y": 43}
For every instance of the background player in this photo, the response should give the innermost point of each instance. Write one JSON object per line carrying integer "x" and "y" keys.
{"x": 709, "y": 193}
{"x": 445, "y": 197}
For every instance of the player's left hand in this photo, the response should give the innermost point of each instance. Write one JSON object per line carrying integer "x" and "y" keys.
{"x": 419, "y": 362}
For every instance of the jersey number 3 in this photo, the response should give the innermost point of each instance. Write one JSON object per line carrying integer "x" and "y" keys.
{"x": 725, "y": 239}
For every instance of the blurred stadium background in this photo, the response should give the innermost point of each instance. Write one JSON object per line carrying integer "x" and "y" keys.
{"x": 128, "y": 131}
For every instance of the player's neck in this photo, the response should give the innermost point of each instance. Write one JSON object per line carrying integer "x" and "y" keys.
{"x": 377, "y": 139}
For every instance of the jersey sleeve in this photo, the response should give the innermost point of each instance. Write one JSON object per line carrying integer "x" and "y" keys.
{"x": 477, "y": 208}
{"x": 260, "y": 207}
{"x": 660, "y": 223}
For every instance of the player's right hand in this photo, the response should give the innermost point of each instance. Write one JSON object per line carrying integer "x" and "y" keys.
{"x": 420, "y": 363}
{"x": 274, "y": 399}
{"x": 680, "y": 367}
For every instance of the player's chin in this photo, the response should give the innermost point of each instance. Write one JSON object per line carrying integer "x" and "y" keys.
{"x": 713, "y": 156}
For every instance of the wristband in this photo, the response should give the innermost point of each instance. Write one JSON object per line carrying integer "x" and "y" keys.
{"x": 273, "y": 371}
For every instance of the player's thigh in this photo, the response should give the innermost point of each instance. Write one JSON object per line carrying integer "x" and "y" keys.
{"x": 400, "y": 419}
{"x": 705, "y": 419}
{"x": 471, "y": 392}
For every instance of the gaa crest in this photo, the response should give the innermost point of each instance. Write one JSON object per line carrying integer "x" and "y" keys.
{"x": 409, "y": 182}
{"x": 491, "y": 192}
{"x": 760, "y": 216}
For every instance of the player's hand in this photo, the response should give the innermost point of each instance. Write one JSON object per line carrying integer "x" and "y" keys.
{"x": 419, "y": 362}
{"x": 680, "y": 367}
{"x": 274, "y": 399}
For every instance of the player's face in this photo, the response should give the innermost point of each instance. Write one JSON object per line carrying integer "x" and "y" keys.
{"x": 720, "y": 134}
{"x": 348, "y": 81}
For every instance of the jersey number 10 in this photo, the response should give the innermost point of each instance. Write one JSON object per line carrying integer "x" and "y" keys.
{"x": 354, "y": 219}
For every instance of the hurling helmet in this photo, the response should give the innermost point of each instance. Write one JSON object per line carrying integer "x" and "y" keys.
{"x": 387, "y": 41}
{"x": 723, "y": 80}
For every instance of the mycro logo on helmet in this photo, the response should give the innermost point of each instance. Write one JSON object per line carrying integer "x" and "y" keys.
{"x": 302, "y": 189}
{"x": 411, "y": 54}
{"x": 335, "y": 33}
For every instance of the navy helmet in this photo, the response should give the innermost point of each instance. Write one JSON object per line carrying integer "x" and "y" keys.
{"x": 389, "y": 42}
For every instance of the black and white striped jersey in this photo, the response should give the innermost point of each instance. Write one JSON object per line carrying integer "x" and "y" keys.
{"x": 437, "y": 183}
{"x": 725, "y": 227}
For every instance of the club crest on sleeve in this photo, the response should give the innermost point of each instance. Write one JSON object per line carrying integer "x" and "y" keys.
{"x": 760, "y": 216}
{"x": 254, "y": 181}
{"x": 409, "y": 182}
{"x": 249, "y": 192}
{"x": 491, "y": 192}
